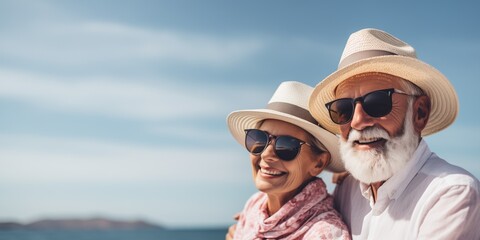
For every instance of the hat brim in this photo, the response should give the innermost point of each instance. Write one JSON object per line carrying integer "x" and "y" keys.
{"x": 238, "y": 121}
{"x": 444, "y": 100}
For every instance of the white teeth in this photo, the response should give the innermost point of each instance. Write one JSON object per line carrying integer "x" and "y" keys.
{"x": 368, "y": 140}
{"x": 270, "y": 172}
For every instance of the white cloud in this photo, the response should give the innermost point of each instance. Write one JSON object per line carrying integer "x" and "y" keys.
{"x": 194, "y": 133}
{"x": 125, "y": 98}
{"x": 106, "y": 42}
{"x": 48, "y": 177}
{"x": 34, "y": 159}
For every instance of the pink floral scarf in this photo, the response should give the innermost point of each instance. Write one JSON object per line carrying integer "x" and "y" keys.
{"x": 309, "y": 215}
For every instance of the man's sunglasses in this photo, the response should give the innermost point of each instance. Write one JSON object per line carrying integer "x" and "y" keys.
{"x": 376, "y": 104}
{"x": 286, "y": 147}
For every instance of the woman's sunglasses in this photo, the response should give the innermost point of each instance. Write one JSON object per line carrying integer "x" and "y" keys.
{"x": 286, "y": 147}
{"x": 376, "y": 104}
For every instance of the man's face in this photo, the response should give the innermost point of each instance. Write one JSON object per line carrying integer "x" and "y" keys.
{"x": 374, "y": 148}
{"x": 366, "y": 83}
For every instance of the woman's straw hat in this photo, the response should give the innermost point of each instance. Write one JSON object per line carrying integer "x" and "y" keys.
{"x": 289, "y": 103}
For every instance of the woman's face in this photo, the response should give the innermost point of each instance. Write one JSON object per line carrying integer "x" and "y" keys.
{"x": 283, "y": 178}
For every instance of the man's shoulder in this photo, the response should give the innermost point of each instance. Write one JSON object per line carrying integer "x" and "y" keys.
{"x": 440, "y": 170}
{"x": 333, "y": 228}
{"x": 349, "y": 186}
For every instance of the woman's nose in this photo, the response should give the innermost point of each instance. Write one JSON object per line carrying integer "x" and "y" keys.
{"x": 269, "y": 153}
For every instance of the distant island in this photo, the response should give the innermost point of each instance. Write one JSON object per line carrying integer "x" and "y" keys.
{"x": 98, "y": 223}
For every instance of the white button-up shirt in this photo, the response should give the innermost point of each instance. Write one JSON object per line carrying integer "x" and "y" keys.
{"x": 428, "y": 199}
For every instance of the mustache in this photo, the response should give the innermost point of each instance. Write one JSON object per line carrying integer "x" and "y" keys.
{"x": 367, "y": 133}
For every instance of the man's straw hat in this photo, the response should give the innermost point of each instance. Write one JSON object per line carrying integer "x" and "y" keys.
{"x": 372, "y": 50}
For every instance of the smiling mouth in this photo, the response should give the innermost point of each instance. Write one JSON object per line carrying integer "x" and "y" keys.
{"x": 271, "y": 172}
{"x": 370, "y": 141}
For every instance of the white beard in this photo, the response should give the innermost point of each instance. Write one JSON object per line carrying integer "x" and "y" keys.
{"x": 378, "y": 165}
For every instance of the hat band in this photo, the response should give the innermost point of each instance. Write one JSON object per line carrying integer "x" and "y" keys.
{"x": 292, "y": 110}
{"x": 363, "y": 55}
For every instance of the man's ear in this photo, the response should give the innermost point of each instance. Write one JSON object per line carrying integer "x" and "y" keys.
{"x": 421, "y": 113}
{"x": 322, "y": 161}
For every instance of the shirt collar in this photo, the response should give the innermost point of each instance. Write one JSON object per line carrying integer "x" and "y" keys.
{"x": 365, "y": 189}
{"x": 395, "y": 185}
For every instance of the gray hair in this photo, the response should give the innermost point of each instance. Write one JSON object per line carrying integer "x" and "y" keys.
{"x": 410, "y": 88}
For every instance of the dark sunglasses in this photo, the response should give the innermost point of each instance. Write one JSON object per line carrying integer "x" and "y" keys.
{"x": 376, "y": 104}
{"x": 286, "y": 147}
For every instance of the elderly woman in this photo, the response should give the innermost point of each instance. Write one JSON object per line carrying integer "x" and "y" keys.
{"x": 287, "y": 152}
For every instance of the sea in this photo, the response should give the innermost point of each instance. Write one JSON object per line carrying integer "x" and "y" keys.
{"x": 149, "y": 234}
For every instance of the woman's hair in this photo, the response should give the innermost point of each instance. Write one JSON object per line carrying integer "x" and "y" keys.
{"x": 317, "y": 146}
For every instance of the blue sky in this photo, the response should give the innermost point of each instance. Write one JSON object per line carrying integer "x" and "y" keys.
{"x": 117, "y": 108}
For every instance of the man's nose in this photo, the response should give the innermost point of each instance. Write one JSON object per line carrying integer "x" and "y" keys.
{"x": 360, "y": 118}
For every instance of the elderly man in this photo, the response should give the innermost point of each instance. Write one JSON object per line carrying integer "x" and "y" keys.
{"x": 381, "y": 101}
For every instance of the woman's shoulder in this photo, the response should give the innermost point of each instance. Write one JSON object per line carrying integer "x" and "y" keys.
{"x": 256, "y": 199}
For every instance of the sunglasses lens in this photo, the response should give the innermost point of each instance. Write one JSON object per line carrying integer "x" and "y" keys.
{"x": 377, "y": 104}
{"x": 255, "y": 141}
{"x": 287, "y": 148}
{"x": 341, "y": 111}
